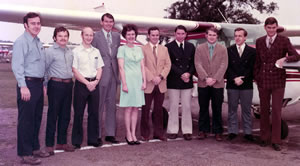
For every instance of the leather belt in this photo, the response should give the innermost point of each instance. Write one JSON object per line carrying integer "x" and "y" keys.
{"x": 34, "y": 79}
{"x": 90, "y": 79}
{"x": 68, "y": 80}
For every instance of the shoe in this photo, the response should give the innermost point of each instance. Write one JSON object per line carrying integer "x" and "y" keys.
{"x": 231, "y": 136}
{"x": 219, "y": 137}
{"x": 162, "y": 138}
{"x": 202, "y": 135}
{"x": 65, "y": 147}
{"x": 249, "y": 137}
{"x": 50, "y": 150}
{"x": 129, "y": 142}
{"x": 276, "y": 147}
{"x": 172, "y": 136}
{"x": 187, "y": 137}
{"x": 40, "y": 154}
{"x": 137, "y": 142}
{"x": 146, "y": 139}
{"x": 30, "y": 160}
{"x": 263, "y": 143}
{"x": 94, "y": 144}
{"x": 111, "y": 139}
{"x": 99, "y": 140}
{"x": 76, "y": 146}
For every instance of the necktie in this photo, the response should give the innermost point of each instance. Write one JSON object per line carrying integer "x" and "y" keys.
{"x": 154, "y": 53}
{"x": 211, "y": 51}
{"x": 181, "y": 47}
{"x": 240, "y": 50}
{"x": 109, "y": 43}
{"x": 270, "y": 42}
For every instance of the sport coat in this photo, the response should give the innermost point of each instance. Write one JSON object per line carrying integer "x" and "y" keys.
{"x": 266, "y": 74}
{"x": 155, "y": 68}
{"x": 240, "y": 66}
{"x": 214, "y": 67}
{"x": 181, "y": 63}
{"x": 110, "y": 61}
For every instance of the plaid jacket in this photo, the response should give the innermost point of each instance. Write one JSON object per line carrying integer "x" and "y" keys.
{"x": 266, "y": 74}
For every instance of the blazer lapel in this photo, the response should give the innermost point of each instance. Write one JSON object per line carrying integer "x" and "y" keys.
{"x": 150, "y": 52}
{"x": 105, "y": 41}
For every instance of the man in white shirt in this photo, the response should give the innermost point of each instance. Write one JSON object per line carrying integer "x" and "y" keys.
{"x": 87, "y": 69}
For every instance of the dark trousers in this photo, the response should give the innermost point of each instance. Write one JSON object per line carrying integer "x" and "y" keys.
{"x": 216, "y": 96}
{"x": 59, "y": 110}
{"x": 158, "y": 98}
{"x": 82, "y": 96}
{"x": 29, "y": 118}
{"x": 265, "y": 127}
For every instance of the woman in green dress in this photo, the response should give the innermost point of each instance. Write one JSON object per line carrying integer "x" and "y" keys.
{"x": 133, "y": 81}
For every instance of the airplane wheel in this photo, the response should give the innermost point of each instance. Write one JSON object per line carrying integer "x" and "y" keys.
{"x": 256, "y": 112}
{"x": 165, "y": 118}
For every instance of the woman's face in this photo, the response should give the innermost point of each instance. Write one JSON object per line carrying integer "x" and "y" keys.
{"x": 130, "y": 36}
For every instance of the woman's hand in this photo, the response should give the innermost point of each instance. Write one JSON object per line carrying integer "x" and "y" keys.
{"x": 124, "y": 88}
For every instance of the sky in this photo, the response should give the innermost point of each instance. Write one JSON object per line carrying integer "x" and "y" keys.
{"x": 288, "y": 13}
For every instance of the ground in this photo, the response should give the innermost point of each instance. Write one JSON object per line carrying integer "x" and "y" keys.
{"x": 206, "y": 152}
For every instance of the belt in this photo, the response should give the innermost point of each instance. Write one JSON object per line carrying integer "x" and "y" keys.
{"x": 34, "y": 79}
{"x": 90, "y": 79}
{"x": 68, "y": 80}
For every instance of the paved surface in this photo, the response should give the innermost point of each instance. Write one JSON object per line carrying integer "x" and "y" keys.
{"x": 206, "y": 152}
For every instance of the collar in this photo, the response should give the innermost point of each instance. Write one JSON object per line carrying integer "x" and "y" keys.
{"x": 178, "y": 43}
{"x": 209, "y": 44}
{"x": 273, "y": 38}
{"x": 151, "y": 45}
{"x": 56, "y": 46}
{"x": 105, "y": 33}
{"x": 82, "y": 48}
{"x": 29, "y": 37}
{"x": 242, "y": 46}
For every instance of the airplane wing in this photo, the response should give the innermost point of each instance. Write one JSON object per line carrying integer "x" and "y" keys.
{"x": 76, "y": 19}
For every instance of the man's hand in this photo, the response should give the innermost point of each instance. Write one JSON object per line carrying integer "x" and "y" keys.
{"x": 25, "y": 93}
{"x": 238, "y": 80}
{"x": 45, "y": 91}
{"x": 210, "y": 81}
{"x": 185, "y": 77}
{"x": 156, "y": 80}
{"x": 279, "y": 62}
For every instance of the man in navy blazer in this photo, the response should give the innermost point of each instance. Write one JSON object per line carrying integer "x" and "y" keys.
{"x": 239, "y": 74}
{"x": 272, "y": 50}
{"x": 108, "y": 42}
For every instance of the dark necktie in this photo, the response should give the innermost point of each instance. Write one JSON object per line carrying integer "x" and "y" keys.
{"x": 181, "y": 47}
{"x": 154, "y": 53}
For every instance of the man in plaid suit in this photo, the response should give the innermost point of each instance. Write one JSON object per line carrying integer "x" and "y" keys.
{"x": 272, "y": 50}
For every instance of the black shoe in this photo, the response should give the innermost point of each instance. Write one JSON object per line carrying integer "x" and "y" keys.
{"x": 231, "y": 136}
{"x": 111, "y": 139}
{"x": 93, "y": 144}
{"x": 77, "y": 146}
{"x": 249, "y": 137}
{"x": 99, "y": 140}
{"x": 263, "y": 143}
{"x": 129, "y": 142}
{"x": 276, "y": 147}
{"x": 137, "y": 142}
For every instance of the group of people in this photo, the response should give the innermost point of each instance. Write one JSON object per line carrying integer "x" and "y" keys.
{"x": 146, "y": 73}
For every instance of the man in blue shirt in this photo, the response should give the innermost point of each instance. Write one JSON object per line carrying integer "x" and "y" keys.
{"x": 59, "y": 59}
{"x": 28, "y": 65}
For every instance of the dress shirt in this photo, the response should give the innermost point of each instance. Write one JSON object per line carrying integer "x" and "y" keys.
{"x": 242, "y": 48}
{"x": 268, "y": 38}
{"x": 28, "y": 58}
{"x": 59, "y": 62}
{"x": 178, "y": 43}
{"x": 105, "y": 34}
{"x": 153, "y": 46}
{"x": 87, "y": 61}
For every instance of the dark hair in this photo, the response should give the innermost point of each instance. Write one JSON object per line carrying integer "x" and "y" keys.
{"x": 129, "y": 27}
{"x": 30, "y": 15}
{"x": 108, "y": 15}
{"x": 241, "y": 29}
{"x": 270, "y": 21}
{"x": 59, "y": 29}
{"x": 212, "y": 29}
{"x": 180, "y": 27}
{"x": 152, "y": 29}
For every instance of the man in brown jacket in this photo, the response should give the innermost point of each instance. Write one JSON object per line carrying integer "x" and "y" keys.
{"x": 157, "y": 67}
{"x": 271, "y": 52}
{"x": 211, "y": 62}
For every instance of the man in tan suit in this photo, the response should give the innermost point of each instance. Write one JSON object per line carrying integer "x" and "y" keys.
{"x": 157, "y": 66}
{"x": 211, "y": 62}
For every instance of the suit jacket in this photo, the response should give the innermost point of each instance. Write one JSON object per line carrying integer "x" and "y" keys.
{"x": 110, "y": 61}
{"x": 161, "y": 67}
{"x": 207, "y": 67}
{"x": 181, "y": 63}
{"x": 266, "y": 74}
{"x": 240, "y": 66}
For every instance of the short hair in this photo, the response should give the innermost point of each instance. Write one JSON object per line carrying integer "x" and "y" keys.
{"x": 59, "y": 29}
{"x": 108, "y": 15}
{"x": 270, "y": 21}
{"x": 180, "y": 27}
{"x": 129, "y": 27}
{"x": 241, "y": 29}
{"x": 212, "y": 29}
{"x": 84, "y": 29}
{"x": 152, "y": 29}
{"x": 30, "y": 15}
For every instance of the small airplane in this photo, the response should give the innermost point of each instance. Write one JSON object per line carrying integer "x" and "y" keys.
{"x": 75, "y": 19}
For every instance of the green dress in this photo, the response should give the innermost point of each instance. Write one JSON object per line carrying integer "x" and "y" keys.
{"x": 133, "y": 75}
